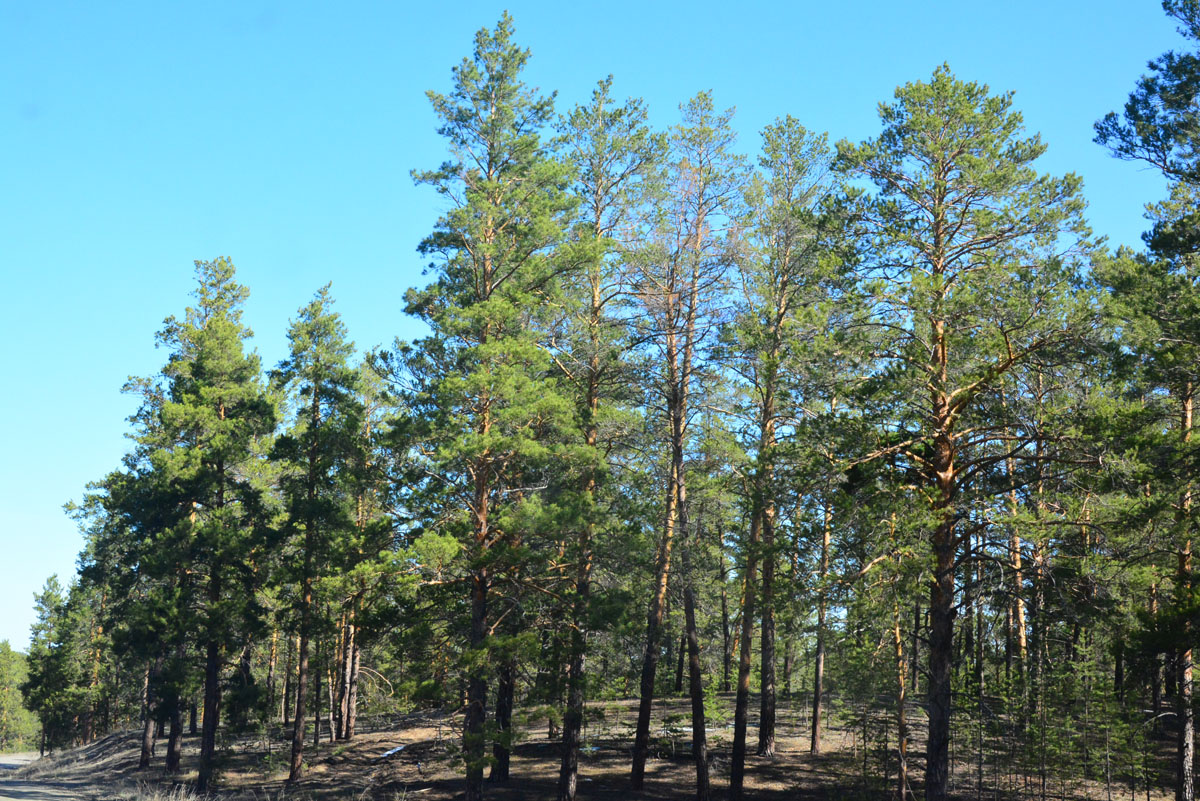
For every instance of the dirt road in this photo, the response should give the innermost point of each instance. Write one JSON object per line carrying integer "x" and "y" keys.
{"x": 27, "y": 790}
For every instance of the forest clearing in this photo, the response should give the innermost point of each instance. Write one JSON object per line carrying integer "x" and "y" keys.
{"x": 839, "y": 470}
{"x": 371, "y": 769}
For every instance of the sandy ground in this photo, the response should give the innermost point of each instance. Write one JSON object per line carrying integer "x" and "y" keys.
{"x": 26, "y": 789}
{"x": 416, "y": 757}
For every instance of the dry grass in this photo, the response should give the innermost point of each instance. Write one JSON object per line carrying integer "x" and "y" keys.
{"x": 144, "y": 791}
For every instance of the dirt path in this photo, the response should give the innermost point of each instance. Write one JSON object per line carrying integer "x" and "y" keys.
{"x": 23, "y": 790}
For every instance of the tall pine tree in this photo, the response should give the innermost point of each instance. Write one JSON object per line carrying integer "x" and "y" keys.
{"x": 971, "y": 275}
{"x": 214, "y": 410}
{"x": 317, "y": 453}
{"x": 482, "y": 386}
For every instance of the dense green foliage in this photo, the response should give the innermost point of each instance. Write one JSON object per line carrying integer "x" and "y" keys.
{"x": 18, "y": 725}
{"x": 844, "y": 426}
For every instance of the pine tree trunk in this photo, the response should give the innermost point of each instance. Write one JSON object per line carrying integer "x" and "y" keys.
{"x": 287, "y": 696}
{"x": 1186, "y": 789}
{"x": 1016, "y": 609}
{"x": 737, "y": 764}
{"x": 787, "y": 666}
{"x": 726, "y": 651}
{"x": 1032, "y": 690}
{"x": 941, "y": 592}
{"x": 766, "y": 715}
{"x": 175, "y": 739}
{"x": 914, "y": 658}
{"x": 352, "y": 701}
{"x": 696, "y": 686}
{"x": 271, "y": 673}
{"x": 568, "y": 776}
{"x": 1156, "y": 671}
{"x": 941, "y": 649}
{"x": 147, "y": 722}
{"x": 332, "y": 704}
{"x": 680, "y": 657}
{"x": 1009, "y": 638}
{"x": 668, "y": 638}
{"x": 901, "y": 722}
{"x": 343, "y": 702}
{"x": 147, "y": 750}
{"x": 814, "y": 746}
{"x": 978, "y": 653}
{"x": 1018, "y": 605}
{"x": 557, "y": 696}
{"x": 502, "y": 749}
{"x": 473, "y": 734}
{"x": 316, "y": 671}
{"x": 239, "y": 713}
{"x": 654, "y": 620}
{"x": 696, "y": 679}
{"x": 337, "y": 688}
{"x": 297, "y": 758}
{"x": 212, "y": 695}
{"x": 285, "y": 704}
{"x": 1185, "y": 785}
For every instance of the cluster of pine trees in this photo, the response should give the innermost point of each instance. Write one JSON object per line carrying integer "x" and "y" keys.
{"x": 881, "y": 421}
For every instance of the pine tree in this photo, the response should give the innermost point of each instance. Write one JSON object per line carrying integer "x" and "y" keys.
{"x": 316, "y": 452}
{"x": 972, "y": 270}
{"x": 213, "y": 412}
{"x": 678, "y": 290}
{"x": 1161, "y": 124}
{"x": 366, "y": 580}
{"x": 616, "y": 158}
{"x": 1155, "y": 303}
{"x": 49, "y": 687}
{"x": 482, "y": 377}
{"x": 1161, "y": 127}
{"x": 139, "y": 536}
{"x": 778, "y": 308}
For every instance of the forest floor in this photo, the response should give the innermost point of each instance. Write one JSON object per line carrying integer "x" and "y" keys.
{"x": 417, "y": 757}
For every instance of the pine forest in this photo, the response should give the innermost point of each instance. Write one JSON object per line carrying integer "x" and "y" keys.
{"x": 723, "y": 469}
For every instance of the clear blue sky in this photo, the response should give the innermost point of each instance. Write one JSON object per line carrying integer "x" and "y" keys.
{"x": 136, "y": 137}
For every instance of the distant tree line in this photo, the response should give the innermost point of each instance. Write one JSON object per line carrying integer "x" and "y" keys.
{"x": 18, "y": 725}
